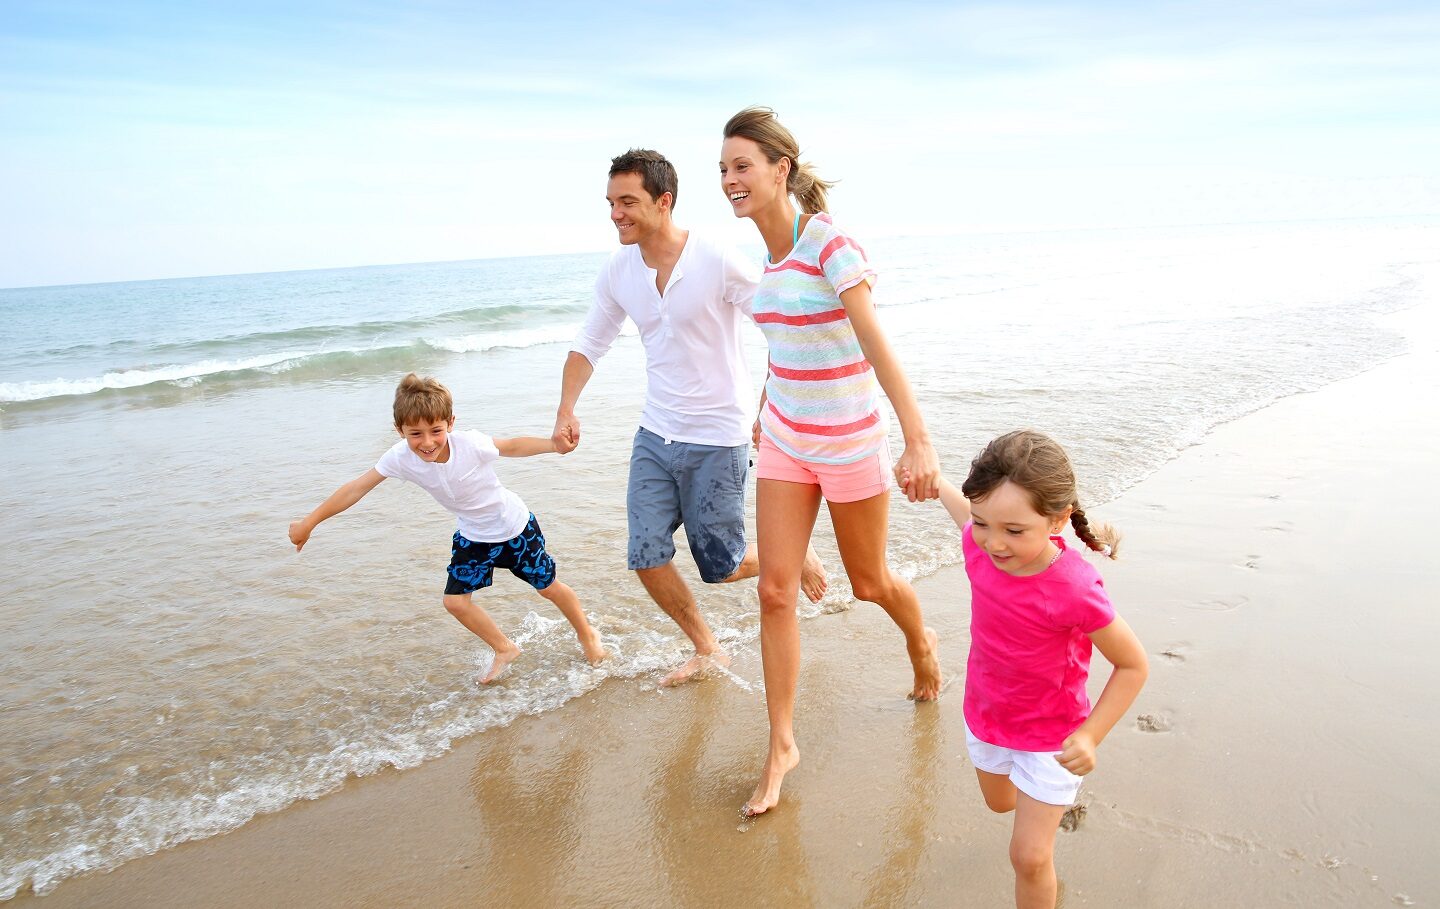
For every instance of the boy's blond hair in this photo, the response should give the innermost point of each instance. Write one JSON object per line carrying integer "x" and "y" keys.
{"x": 420, "y": 401}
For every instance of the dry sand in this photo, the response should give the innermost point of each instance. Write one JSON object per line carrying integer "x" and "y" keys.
{"x": 1280, "y": 576}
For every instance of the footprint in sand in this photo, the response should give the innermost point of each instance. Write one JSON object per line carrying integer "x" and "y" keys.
{"x": 1249, "y": 561}
{"x": 1281, "y": 527}
{"x": 1220, "y": 604}
{"x": 1176, "y": 653}
{"x": 1154, "y": 722}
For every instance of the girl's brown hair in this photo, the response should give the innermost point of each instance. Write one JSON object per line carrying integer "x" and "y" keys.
{"x": 1037, "y": 464}
{"x": 420, "y": 401}
{"x": 759, "y": 125}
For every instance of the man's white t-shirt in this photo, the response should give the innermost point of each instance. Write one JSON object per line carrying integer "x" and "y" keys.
{"x": 698, "y": 389}
{"x": 466, "y": 485}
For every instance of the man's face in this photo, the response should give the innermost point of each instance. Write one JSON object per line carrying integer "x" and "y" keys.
{"x": 635, "y": 215}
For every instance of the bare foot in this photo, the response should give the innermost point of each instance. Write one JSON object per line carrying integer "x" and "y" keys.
{"x": 767, "y": 791}
{"x": 595, "y": 652}
{"x": 502, "y": 661}
{"x": 695, "y": 667}
{"x": 812, "y": 576}
{"x": 927, "y": 670}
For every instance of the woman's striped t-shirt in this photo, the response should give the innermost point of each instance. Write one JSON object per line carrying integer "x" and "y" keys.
{"x": 822, "y": 400}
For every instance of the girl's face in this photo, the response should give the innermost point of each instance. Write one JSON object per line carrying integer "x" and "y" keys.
{"x": 1015, "y": 536}
{"x": 748, "y": 180}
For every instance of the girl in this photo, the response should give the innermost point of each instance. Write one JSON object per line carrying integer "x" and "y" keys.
{"x": 1036, "y": 609}
{"x": 820, "y": 432}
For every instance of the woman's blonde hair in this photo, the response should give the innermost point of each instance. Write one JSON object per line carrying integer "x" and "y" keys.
{"x": 1037, "y": 464}
{"x": 759, "y": 125}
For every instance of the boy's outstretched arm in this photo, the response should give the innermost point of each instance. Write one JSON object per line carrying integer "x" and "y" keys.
{"x": 1122, "y": 648}
{"x": 955, "y": 502}
{"x": 524, "y": 446}
{"x": 339, "y": 500}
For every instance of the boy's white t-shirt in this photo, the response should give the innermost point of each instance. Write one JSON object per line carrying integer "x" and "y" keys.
{"x": 466, "y": 485}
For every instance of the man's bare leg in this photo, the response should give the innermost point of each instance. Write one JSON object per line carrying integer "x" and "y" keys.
{"x": 812, "y": 573}
{"x": 474, "y": 617}
{"x": 670, "y": 592}
{"x": 568, "y": 603}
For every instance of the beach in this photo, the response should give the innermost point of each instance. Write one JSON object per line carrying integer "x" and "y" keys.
{"x": 1281, "y": 753}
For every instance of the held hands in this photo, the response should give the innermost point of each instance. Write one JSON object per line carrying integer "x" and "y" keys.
{"x": 755, "y": 434}
{"x": 1077, "y": 753}
{"x": 299, "y": 534}
{"x": 918, "y": 472}
{"x": 567, "y": 433}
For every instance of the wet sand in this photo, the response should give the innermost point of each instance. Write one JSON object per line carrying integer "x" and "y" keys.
{"x": 1283, "y": 752}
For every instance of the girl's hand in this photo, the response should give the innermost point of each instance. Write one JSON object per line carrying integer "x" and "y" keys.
{"x": 299, "y": 534}
{"x": 1077, "y": 753}
{"x": 918, "y": 472}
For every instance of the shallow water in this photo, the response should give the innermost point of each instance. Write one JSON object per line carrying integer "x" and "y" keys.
{"x": 174, "y": 668}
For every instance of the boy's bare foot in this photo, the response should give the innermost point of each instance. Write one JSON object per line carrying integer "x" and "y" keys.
{"x": 927, "y": 670}
{"x": 503, "y": 659}
{"x": 767, "y": 791}
{"x": 595, "y": 652}
{"x": 694, "y": 667}
{"x": 812, "y": 577}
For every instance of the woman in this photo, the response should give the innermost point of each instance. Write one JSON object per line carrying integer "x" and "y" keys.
{"x": 820, "y": 432}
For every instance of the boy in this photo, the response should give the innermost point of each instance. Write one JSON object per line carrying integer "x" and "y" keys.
{"x": 457, "y": 469}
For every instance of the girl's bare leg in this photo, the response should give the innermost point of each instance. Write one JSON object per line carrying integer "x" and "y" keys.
{"x": 568, "y": 603}
{"x": 862, "y": 530}
{"x": 1032, "y": 852}
{"x": 784, "y": 516}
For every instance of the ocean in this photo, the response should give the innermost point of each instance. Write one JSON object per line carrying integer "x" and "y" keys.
{"x": 173, "y": 668}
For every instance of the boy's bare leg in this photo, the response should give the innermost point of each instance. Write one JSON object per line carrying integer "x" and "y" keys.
{"x": 474, "y": 617}
{"x": 568, "y": 603}
{"x": 670, "y": 592}
{"x": 812, "y": 573}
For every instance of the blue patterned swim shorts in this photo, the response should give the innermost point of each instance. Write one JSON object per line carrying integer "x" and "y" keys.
{"x": 472, "y": 564}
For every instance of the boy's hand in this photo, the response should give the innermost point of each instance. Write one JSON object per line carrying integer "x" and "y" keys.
{"x": 1077, "y": 753}
{"x": 567, "y": 433}
{"x": 299, "y": 533}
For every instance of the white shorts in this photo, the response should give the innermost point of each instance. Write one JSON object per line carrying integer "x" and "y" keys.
{"x": 1036, "y": 773}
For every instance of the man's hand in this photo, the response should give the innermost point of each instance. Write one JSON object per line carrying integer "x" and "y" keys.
{"x": 567, "y": 433}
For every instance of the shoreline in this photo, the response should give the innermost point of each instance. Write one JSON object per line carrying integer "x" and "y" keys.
{"x": 1287, "y": 710}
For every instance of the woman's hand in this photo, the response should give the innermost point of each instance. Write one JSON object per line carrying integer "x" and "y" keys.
{"x": 918, "y": 472}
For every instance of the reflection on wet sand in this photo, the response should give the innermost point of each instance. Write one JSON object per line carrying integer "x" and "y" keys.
{"x": 910, "y": 818}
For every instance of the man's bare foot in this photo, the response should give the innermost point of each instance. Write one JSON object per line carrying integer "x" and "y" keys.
{"x": 812, "y": 576}
{"x": 927, "y": 670}
{"x": 767, "y": 791}
{"x": 595, "y": 652}
{"x": 694, "y": 667}
{"x": 502, "y": 661}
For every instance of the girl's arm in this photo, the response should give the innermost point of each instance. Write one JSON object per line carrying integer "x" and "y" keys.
{"x": 1119, "y": 645}
{"x": 954, "y": 502}
{"x": 339, "y": 500}
{"x": 919, "y": 459}
{"x": 524, "y": 446}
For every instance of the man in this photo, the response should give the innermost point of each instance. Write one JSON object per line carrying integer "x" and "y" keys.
{"x": 687, "y": 296}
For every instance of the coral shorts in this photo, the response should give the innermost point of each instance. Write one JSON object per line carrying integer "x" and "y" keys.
{"x": 838, "y": 483}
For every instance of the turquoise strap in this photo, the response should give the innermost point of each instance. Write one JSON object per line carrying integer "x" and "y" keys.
{"x": 795, "y": 231}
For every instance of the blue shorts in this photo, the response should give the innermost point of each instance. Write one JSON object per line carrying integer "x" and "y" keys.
{"x": 472, "y": 564}
{"x": 700, "y": 486}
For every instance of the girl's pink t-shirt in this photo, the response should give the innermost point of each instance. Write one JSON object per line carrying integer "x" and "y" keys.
{"x": 1029, "y": 654}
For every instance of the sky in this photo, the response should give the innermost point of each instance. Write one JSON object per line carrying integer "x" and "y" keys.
{"x": 146, "y": 139}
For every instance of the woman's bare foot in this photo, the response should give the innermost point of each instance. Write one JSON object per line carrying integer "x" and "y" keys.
{"x": 503, "y": 658}
{"x": 927, "y": 670}
{"x": 812, "y": 576}
{"x": 595, "y": 652}
{"x": 694, "y": 667}
{"x": 767, "y": 791}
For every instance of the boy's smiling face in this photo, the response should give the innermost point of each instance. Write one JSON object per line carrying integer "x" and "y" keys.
{"x": 430, "y": 440}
